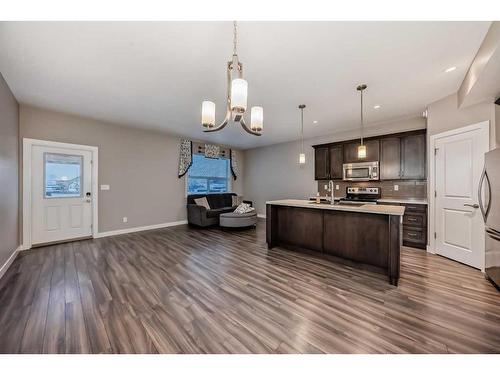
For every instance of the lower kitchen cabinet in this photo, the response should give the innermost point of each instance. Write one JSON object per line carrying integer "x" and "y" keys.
{"x": 414, "y": 224}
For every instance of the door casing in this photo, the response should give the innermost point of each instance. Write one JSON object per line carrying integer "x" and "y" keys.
{"x": 484, "y": 126}
{"x": 28, "y": 144}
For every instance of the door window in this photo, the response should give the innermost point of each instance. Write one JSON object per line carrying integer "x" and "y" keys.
{"x": 63, "y": 175}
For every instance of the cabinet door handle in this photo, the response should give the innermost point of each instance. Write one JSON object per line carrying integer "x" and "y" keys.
{"x": 411, "y": 219}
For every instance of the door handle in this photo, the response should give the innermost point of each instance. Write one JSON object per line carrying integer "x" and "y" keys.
{"x": 475, "y": 205}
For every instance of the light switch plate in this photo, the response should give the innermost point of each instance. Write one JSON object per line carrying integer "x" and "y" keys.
{"x": 396, "y": 187}
{"x": 104, "y": 187}
{"x": 326, "y": 187}
{"x": 337, "y": 187}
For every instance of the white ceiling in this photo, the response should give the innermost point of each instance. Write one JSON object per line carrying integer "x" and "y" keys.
{"x": 156, "y": 74}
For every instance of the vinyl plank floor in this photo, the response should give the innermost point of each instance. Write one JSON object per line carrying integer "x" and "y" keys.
{"x": 188, "y": 290}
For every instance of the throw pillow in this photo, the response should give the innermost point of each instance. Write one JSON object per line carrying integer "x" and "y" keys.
{"x": 202, "y": 202}
{"x": 243, "y": 209}
{"x": 236, "y": 200}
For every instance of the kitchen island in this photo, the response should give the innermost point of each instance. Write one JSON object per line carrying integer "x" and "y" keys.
{"x": 365, "y": 234}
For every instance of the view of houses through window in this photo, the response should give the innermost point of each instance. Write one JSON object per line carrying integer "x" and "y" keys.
{"x": 208, "y": 175}
{"x": 62, "y": 175}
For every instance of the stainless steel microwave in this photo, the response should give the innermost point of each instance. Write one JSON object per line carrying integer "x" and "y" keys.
{"x": 366, "y": 171}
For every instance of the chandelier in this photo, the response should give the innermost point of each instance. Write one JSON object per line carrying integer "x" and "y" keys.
{"x": 237, "y": 92}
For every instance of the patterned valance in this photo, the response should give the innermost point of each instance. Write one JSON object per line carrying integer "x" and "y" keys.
{"x": 235, "y": 171}
{"x": 185, "y": 156}
{"x": 212, "y": 151}
{"x": 188, "y": 149}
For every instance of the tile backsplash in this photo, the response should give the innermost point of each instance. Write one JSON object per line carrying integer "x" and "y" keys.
{"x": 406, "y": 189}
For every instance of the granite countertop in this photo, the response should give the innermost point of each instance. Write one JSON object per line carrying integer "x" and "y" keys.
{"x": 367, "y": 208}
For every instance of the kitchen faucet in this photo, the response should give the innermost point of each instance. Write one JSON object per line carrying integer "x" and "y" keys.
{"x": 332, "y": 192}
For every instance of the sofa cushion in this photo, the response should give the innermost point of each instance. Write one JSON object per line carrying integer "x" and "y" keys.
{"x": 202, "y": 202}
{"x": 236, "y": 200}
{"x": 217, "y": 211}
{"x": 215, "y": 200}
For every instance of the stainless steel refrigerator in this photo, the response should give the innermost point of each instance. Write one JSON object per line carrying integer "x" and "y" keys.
{"x": 489, "y": 203}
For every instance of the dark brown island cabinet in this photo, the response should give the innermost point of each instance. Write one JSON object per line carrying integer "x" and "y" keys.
{"x": 367, "y": 236}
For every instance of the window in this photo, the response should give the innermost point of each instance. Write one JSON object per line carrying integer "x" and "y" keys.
{"x": 63, "y": 175}
{"x": 208, "y": 175}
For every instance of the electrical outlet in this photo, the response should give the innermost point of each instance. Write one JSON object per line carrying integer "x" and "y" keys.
{"x": 396, "y": 187}
{"x": 125, "y": 219}
{"x": 104, "y": 187}
{"x": 326, "y": 187}
{"x": 337, "y": 187}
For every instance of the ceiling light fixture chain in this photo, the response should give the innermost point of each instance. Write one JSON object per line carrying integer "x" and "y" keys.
{"x": 235, "y": 38}
{"x": 237, "y": 92}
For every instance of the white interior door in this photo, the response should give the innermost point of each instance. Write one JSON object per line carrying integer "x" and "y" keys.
{"x": 61, "y": 194}
{"x": 459, "y": 226}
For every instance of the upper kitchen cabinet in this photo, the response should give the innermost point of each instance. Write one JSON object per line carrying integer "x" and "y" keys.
{"x": 390, "y": 158}
{"x": 351, "y": 151}
{"x": 413, "y": 150}
{"x": 401, "y": 156}
{"x": 336, "y": 161}
{"x": 321, "y": 163}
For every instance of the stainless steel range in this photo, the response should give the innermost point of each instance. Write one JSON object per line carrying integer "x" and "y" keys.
{"x": 361, "y": 195}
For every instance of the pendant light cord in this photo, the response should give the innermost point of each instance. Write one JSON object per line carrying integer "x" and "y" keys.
{"x": 302, "y": 129}
{"x": 361, "y": 117}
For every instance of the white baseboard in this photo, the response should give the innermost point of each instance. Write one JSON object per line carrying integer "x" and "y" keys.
{"x": 262, "y": 216}
{"x": 139, "y": 229}
{"x": 9, "y": 261}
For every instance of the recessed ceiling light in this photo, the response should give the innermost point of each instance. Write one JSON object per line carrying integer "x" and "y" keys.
{"x": 376, "y": 106}
{"x": 315, "y": 121}
{"x": 450, "y": 69}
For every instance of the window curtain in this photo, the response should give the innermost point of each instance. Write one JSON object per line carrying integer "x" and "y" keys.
{"x": 185, "y": 156}
{"x": 235, "y": 171}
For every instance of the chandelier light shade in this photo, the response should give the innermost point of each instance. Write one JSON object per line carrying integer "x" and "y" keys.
{"x": 257, "y": 119}
{"x": 208, "y": 114}
{"x": 361, "y": 147}
{"x": 237, "y": 95}
{"x": 302, "y": 155}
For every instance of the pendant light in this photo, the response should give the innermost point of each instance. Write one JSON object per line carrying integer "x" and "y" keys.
{"x": 302, "y": 155}
{"x": 361, "y": 147}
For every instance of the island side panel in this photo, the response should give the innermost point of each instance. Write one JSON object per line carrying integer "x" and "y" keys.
{"x": 300, "y": 227}
{"x": 360, "y": 237}
{"x": 271, "y": 225}
{"x": 395, "y": 243}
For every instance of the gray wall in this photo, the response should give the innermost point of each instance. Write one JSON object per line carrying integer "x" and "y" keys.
{"x": 445, "y": 115}
{"x": 9, "y": 168}
{"x": 139, "y": 165}
{"x": 273, "y": 172}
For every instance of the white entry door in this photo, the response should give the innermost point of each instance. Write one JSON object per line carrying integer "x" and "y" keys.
{"x": 459, "y": 161}
{"x": 61, "y": 194}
